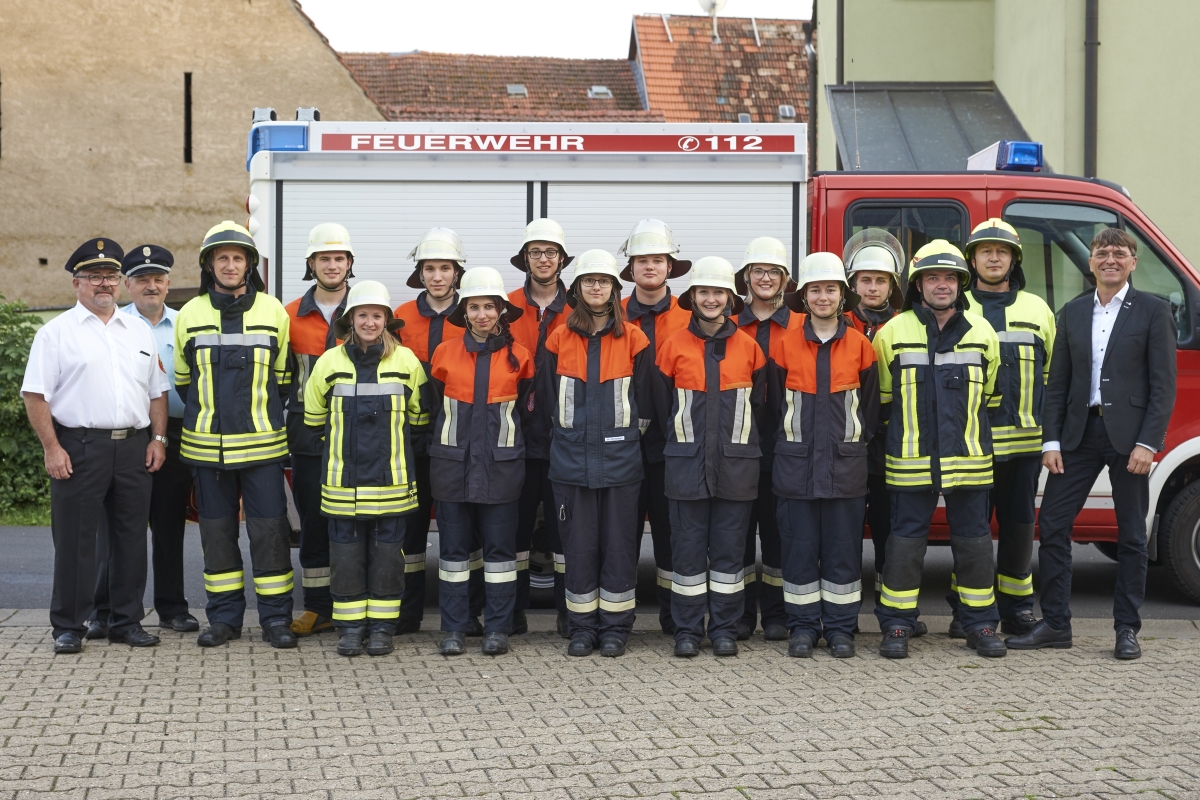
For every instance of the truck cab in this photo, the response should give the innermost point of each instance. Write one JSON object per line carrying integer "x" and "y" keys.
{"x": 1056, "y": 217}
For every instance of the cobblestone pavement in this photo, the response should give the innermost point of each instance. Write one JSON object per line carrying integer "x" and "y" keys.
{"x": 246, "y": 720}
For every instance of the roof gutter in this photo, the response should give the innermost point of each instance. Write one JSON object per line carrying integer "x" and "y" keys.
{"x": 1091, "y": 81}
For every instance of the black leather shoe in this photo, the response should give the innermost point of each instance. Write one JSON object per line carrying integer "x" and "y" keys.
{"x": 218, "y": 634}
{"x": 986, "y": 643}
{"x": 775, "y": 632}
{"x": 1018, "y": 624}
{"x": 581, "y": 645}
{"x": 495, "y": 644}
{"x": 134, "y": 636}
{"x": 184, "y": 623}
{"x": 841, "y": 645}
{"x": 379, "y": 643}
{"x": 520, "y": 623}
{"x": 281, "y": 637}
{"x": 68, "y": 643}
{"x": 96, "y": 629}
{"x": 895, "y": 643}
{"x": 919, "y": 629}
{"x": 408, "y": 626}
{"x": 800, "y": 646}
{"x": 474, "y": 627}
{"x": 455, "y": 644}
{"x": 687, "y": 648}
{"x": 350, "y": 643}
{"x": 560, "y": 625}
{"x": 956, "y": 628}
{"x": 1127, "y": 645}
{"x": 612, "y": 647}
{"x": 724, "y": 646}
{"x": 744, "y": 631}
{"x": 1041, "y": 636}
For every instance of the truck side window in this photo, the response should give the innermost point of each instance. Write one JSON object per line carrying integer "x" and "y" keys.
{"x": 913, "y": 224}
{"x": 1055, "y": 239}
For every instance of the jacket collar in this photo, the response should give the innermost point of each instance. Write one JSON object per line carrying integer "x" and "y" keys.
{"x": 635, "y": 309}
{"x": 425, "y": 311}
{"x": 781, "y": 317}
{"x": 308, "y": 303}
{"x": 728, "y": 329}
{"x": 560, "y": 299}
{"x": 810, "y": 334}
{"x": 491, "y": 344}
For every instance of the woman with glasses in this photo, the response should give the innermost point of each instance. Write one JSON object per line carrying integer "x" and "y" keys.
{"x": 601, "y": 373}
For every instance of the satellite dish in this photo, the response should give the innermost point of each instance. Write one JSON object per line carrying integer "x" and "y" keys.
{"x": 711, "y": 7}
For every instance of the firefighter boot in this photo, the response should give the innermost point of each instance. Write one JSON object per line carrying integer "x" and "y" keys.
{"x": 380, "y": 642}
{"x": 350, "y": 643}
{"x": 800, "y": 646}
{"x": 311, "y": 622}
{"x": 895, "y": 643}
{"x": 986, "y": 643}
{"x": 455, "y": 644}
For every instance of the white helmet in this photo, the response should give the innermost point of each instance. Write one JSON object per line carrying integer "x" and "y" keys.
{"x": 366, "y": 293}
{"x": 326, "y": 238}
{"x": 652, "y": 237}
{"x": 765, "y": 250}
{"x": 822, "y": 267}
{"x": 874, "y": 250}
{"x": 541, "y": 230}
{"x": 594, "y": 262}
{"x": 482, "y": 282}
{"x": 438, "y": 244}
{"x": 714, "y": 272}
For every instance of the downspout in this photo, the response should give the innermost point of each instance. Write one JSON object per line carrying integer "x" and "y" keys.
{"x": 1091, "y": 48}
{"x": 841, "y": 56}
{"x": 813, "y": 87}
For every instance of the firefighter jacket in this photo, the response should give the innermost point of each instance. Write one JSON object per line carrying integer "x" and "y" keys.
{"x": 424, "y": 329}
{"x": 532, "y": 330}
{"x": 602, "y": 402}
{"x": 824, "y": 397}
{"x": 368, "y": 407}
{"x": 231, "y": 357}
{"x": 658, "y": 322}
{"x": 714, "y": 389}
{"x": 868, "y": 321}
{"x": 936, "y": 389}
{"x": 1025, "y": 326}
{"x": 309, "y": 337}
{"x": 477, "y": 448}
{"x": 767, "y": 332}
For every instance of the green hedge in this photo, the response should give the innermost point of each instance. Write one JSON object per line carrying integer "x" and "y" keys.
{"x": 23, "y": 481}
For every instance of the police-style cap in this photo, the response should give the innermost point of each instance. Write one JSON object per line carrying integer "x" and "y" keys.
{"x": 95, "y": 253}
{"x": 145, "y": 259}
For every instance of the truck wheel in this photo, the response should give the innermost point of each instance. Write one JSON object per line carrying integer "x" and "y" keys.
{"x": 1107, "y": 548}
{"x": 1179, "y": 541}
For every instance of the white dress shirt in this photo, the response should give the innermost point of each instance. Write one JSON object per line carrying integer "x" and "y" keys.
{"x": 164, "y": 336}
{"x": 96, "y": 375}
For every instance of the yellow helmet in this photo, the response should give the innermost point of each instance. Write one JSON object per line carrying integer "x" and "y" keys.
{"x": 937, "y": 254}
{"x": 227, "y": 234}
{"x": 997, "y": 230}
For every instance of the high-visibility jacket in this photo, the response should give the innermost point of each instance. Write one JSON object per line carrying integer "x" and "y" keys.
{"x": 658, "y": 322}
{"x": 868, "y": 321}
{"x": 477, "y": 448}
{"x": 231, "y": 369}
{"x": 714, "y": 389}
{"x": 825, "y": 399}
{"x": 424, "y": 329}
{"x": 532, "y": 330}
{"x": 309, "y": 337}
{"x": 602, "y": 403}
{"x": 1025, "y": 326}
{"x": 368, "y": 408}
{"x": 936, "y": 389}
{"x": 767, "y": 332}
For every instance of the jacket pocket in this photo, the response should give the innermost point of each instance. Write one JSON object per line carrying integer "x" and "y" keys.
{"x": 507, "y": 453}
{"x": 740, "y": 470}
{"x": 791, "y": 470}
{"x": 438, "y": 450}
{"x": 681, "y": 449}
{"x": 741, "y": 451}
{"x": 568, "y": 456}
{"x": 850, "y": 470}
{"x": 1137, "y": 402}
{"x": 852, "y": 449}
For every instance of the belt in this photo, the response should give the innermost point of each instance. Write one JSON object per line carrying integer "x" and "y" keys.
{"x": 105, "y": 433}
{"x": 1095, "y": 411}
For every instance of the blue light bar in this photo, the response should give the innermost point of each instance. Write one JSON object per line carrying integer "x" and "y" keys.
{"x": 279, "y": 137}
{"x": 1019, "y": 156}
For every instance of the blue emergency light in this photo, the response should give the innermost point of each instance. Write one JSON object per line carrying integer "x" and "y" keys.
{"x": 288, "y": 137}
{"x": 1010, "y": 156}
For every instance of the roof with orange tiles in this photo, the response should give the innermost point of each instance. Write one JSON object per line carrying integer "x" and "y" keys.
{"x": 445, "y": 86}
{"x": 690, "y": 78}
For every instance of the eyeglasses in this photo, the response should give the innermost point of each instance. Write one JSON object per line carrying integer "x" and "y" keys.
{"x": 758, "y": 273}
{"x": 97, "y": 280}
{"x": 549, "y": 252}
{"x": 592, "y": 283}
{"x": 1116, "y": 255}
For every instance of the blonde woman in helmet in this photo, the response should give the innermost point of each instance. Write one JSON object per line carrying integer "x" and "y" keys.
{"x": 600, "y": 371}
{"x": 763, "y": 281}
{"x": 823, "y": 389}
{"x": 481, "y": 387}
{"x": 653, "y": 259}
{"x": 440, "y": 262}
{"x": 329, "y": 262}
{"x": 365, "y": 397}
{"x": 711, "y": 380}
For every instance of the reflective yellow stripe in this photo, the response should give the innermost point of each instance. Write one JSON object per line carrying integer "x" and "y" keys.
{"x": 383, "y": 609}
{"x": 792, "y": 418}
{"x": 974, "y": 401}
{"x": 1015, "y": 587}
{"x": 742, "y": 417}
{"x": 617, "y": 601}
{"x": 454, "y": 571}
{"x": 204, "y": 389}
{"x": 683, "y": 417}
{"x": 976, "y": 598}
{"x": 336, "y": 439}
{"x": 508, "y": 427}
{"x": 449, "y": 434}
{"x": 566, "y": 402}
{"x": 351, "y": 611}
{"x": 663, "y": 577}
{"x": 583, "y": 603}
{"x": 415, "y": 562}
{"x": 910, "y": 446}
{"x": 802, "y": 594}
{"x": 314, "y": 578}
{"x": 904, "y": 600}
{"x": 274, "y": 584}
{"x": 217, "y": 582}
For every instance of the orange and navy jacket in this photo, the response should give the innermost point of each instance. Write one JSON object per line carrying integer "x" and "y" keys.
{"x": 602, "y": 402}
{"x": 424, "y": 329}
{"x": 477, "y": 449}
{"x": 824, "y": 399}
{"x": 311, "y": 336}
{"x": 868, "y": 321}
{"x": 531, "y": 331}
{"x": 714, "y": 388}
{"x": 658, "y": 322}
{"x": 766, "y": 332}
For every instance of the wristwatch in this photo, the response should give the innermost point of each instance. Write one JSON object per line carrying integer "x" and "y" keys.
{"x": 162, "y": 439}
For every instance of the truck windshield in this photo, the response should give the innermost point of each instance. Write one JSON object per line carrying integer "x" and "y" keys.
{"x": 1054, "y": 240}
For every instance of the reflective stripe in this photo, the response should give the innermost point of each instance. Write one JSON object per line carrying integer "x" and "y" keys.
{"x": 742, "y": 417}
{"x": 621, "y": 409}
{"x": 971, "y": 435}
{"x": 792, "y": 417}
{"x": 878, "y": 583}
{"x": 726, "y": 582}
{"x": 799, "y": 595}
{"x": 275, "y": 584}
{"x": 313, "y": 578}
{"x": 566, "y": 402}
{"x": 976, "y": 598}
{"x": 522, "y": 560}
{"x": 689, "y": 585}
{"x": 449, "y": 434}
{"x": 224, "y": 581}
{"x": 910, "y": 434}
{"x": 499, "y": 571}
{"x": 1016, "y": 337}
{"x": 750, "y": 578}
{"x": 1025, "y": 362}
{"x": 664, "y": 577}
{"x": 383, "y": 609}
{"x": 1015, "y": 587}
{"x": 583, "y": 603}
{"x": 913, "y": 359}
{"x": 367, "y": 389}
{"x": 508, "y": 428}
{"x": 454, "y": 571}
{"x": 683, "y": 417}
{"x": 853, "y": 424}
{"x": 415, "y": 562}
{"x": 617, "y": 601}
{"x": 772, "y": 576}
{"x": 841, "y": 593}
{"x": 964, "y": 357}
{"x": 336, "y": 439}
{"x": 233, "y": 340}
{"x": 477, "y": 559}
{"x": 560, "y": 563}
{"x": 353, "y": 610}
{"x": 905, "y": 600}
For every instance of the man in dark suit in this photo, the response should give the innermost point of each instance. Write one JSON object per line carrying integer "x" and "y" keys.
{"x": 1111, "y": 392}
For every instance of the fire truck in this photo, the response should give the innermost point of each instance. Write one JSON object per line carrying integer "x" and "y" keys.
{"x": 718, "y": 186}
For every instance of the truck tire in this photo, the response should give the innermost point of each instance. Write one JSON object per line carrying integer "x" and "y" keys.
{"x": 1179, "y": 541}
{"x": 1107, "y": 548}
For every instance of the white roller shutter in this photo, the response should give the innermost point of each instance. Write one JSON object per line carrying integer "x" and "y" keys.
{"x": 386, "y": 219}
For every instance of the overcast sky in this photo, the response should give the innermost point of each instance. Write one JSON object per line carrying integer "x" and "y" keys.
{"x": 564, "y": 28}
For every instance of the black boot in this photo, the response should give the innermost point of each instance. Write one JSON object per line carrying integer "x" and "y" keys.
{"x": 724, "y": 646}
{"x": 280, "y": 636}
{"x": 800, "y": 646}
{"x": 841, "y": 645}
{"x": 956, "y": 629}
{"x": 1018, "y": 624}
{"x": 986, "y": 643}
{"x": 455, "y": 644}
{"x": 687, "y": 648}
{"x": 350, "y": 643}
{"x": 379, "y": 643}
{"x": 218, "y": 634}
{"x": 581, "y": 645}
{"x": 1041, "y": 636}
{"x": 895, "y": 643}
{"x": 495, "y": 643}
{"x": 612, "y": 647}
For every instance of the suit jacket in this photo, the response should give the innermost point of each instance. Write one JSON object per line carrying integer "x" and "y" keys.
{"x": 1137, "y": 378}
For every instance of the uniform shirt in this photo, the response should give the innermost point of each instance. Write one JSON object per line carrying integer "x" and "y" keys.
{"x": 164, "y": 337}
{"x": 95, "y": 375}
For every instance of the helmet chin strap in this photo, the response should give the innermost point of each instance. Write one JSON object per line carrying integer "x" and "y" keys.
{"x": 245, "y": 278}
{"x": 553, "y": 279}
{"x": 1007, "y": 276}
{"x": 329, "y": 288}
